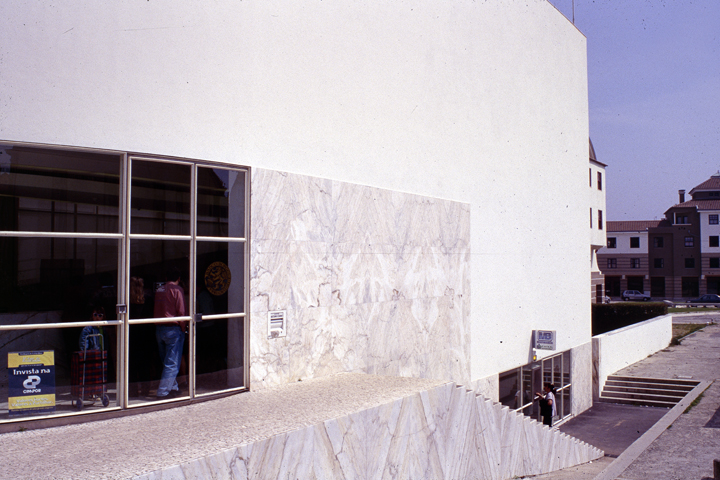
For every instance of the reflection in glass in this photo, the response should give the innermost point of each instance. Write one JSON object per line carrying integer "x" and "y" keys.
{"x": 56, "y": 279}
{"x": 160, "y": 198}
{"x": 220, "y": 277}
{"x": 566, "y": 404}
{"x": 83, "y": 380}
{"x": 44, "y": 190}
{"x": 150, "y": 260}
{"x": 219, "y": 357}
{"x": 511, "y": 389}
{"x": 221, "y": 201}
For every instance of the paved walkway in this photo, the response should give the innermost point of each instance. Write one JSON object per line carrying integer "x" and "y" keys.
{"x": 687, "y": 445}
{"x": 683, "y": 449}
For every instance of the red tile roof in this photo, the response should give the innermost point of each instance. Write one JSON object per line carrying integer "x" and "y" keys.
{"x": 632, "y": 225}
{"x": 712, "y": 184}
{"x": 704, "y": 204}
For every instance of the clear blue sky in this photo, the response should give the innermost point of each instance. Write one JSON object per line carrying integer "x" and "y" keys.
{"x": 654, "y": 87}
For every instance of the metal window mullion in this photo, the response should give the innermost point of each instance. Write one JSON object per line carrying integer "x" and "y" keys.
{"x": 246, "y": 282}
{"x": 41, "y": 326}
{"x": 125, "y": 351}
{"x": 186, "y": 318}
{"x": 192, "y": 280}
{"x": 7, "y": 233}
{"x": 150, "y": 236}
{"x": 222, "y": 239}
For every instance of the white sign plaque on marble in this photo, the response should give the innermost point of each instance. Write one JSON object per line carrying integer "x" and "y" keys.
{"x": 544, "y": 339}
{"x": 277, "y": 323}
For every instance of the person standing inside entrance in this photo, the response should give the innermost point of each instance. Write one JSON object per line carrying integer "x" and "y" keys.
{"x": 548, "y": 409}
{"x": 170, "y": 302}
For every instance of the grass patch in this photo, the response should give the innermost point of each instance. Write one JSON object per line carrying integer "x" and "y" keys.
{"x": 692, "y": 309}
{"x": 696, "y": 401}
{"x": 681, "y": 331}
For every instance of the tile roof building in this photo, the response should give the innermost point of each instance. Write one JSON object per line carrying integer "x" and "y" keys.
{"x": 677, "y": 257}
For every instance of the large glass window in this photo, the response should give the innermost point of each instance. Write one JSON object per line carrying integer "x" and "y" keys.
{"x": 519, "y": 386}
{"x": 88, "y": 241}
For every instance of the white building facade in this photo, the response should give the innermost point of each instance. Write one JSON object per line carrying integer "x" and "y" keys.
{"x": 384, "y": 175}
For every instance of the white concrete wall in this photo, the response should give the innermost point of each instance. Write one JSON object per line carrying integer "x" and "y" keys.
{"x": 615, "y": 350}
{"x": 597, "y": 203}
{"x": 483, "y": 103}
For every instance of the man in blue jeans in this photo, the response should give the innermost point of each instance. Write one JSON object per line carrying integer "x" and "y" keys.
{"x": 170, "y": 302}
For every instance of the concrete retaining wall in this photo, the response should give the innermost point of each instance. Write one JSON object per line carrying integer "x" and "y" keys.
{"x": 615, "y": 350}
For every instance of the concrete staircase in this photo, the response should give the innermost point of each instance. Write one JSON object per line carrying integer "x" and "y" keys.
{"x": 651, "y": 392}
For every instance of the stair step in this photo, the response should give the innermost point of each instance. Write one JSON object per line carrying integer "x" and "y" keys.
{"x": 668, "y": 386}
{"x": 673, "y": 381}
{"x": 643, "y": 390}
{"x": 643, "y": 397}
{"x": 627, "y": 401}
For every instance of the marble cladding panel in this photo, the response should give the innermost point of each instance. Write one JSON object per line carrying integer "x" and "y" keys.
{"x": 447, "y": 432}
{"x": 582, "y": 377}
{"x": 373, "y": 280}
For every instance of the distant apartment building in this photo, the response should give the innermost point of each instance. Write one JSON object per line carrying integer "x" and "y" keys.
{"x": 597, "y": 227}
{"x": 677, "y": 257}
{"x": 624, "y": 260}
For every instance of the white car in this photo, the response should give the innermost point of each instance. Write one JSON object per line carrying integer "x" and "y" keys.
{"x": 635, "y": 295}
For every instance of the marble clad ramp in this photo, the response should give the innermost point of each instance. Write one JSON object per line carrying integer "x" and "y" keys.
{"x": 344, "y": 426}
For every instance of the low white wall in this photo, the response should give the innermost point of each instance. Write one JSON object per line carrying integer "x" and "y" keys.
{"x": 625, "y": 346}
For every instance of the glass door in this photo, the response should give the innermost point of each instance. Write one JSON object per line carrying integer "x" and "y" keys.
{"x": 186, "y": 280}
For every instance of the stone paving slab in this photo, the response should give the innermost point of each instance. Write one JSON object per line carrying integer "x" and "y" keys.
{"x": 133, "y": 445}
{"x": 687, "y": 447}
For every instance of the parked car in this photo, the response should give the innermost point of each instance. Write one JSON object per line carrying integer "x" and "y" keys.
{"x": 710, "y": 298}
{"x": 635, "y": 295}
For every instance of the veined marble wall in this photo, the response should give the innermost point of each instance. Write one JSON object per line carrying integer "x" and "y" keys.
{"x": 582, "y": 377}
{"x": 373, "y": 281}
{"x": 446, "y": 432}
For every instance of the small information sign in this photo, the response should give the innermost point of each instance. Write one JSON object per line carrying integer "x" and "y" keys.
{"x": 31, "y": 382}
{"x": 544, "y": 339}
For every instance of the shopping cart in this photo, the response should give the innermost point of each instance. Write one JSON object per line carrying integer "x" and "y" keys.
{"x": 88, "y": 375}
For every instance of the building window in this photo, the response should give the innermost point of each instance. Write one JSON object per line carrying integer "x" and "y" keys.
{"x": 714, "y": 241}
{"x": 590, "y": 175}
{"x": 713, "y": 219}
{"x": 591, "y": 218}
{"x": 634, "y": 263}
{"x": 634, "y": 242}
{"x": 681, "y": 219}
{"x": 659, "y": 263}
{"x": 658, "y": 242}
{"x": 102, "y": 237}
{"x": 689, "y": 241}
{"x": 689, "y": 263}
{"x": 600, "y": 220}
{"x": 715, "y": 262}
{"x": 517, "y": 387}
{"x": 612, "y": 263}
{"x": 599, "y": 180}
{"x": 612, "y": 242}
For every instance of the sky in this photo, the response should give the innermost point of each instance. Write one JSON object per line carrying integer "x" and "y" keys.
{"x": 654, "y": 97}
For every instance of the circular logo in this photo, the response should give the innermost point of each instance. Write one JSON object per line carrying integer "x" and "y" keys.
{"x": 217, "y": 278}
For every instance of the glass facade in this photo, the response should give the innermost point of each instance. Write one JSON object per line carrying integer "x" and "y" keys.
{"x": 86, "y": 240}
{"x": 519, "y": 385}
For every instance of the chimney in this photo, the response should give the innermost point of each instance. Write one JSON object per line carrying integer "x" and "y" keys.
{"x": 681, "y": 193}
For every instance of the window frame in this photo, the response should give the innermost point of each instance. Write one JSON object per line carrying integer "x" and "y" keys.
{"x": 124, "y": 238}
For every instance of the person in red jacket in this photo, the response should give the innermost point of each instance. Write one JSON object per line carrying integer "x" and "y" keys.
{"x": 170, "y": 302}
